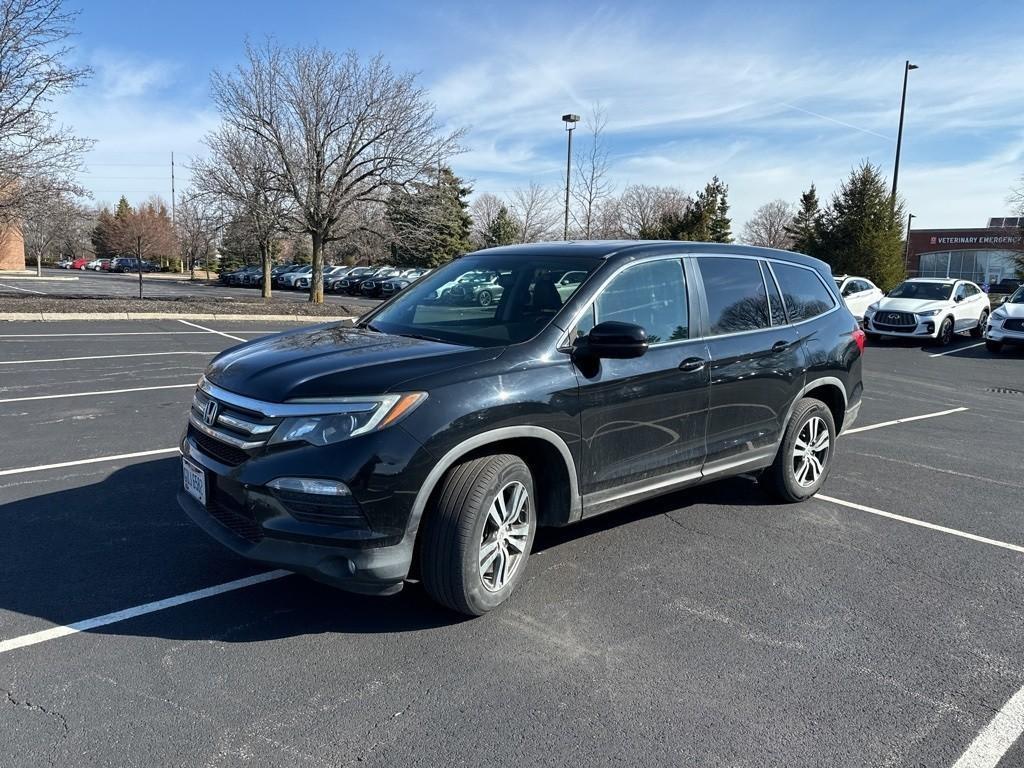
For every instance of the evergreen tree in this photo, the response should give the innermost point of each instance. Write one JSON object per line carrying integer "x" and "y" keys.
{"x": 717, "y": 200}
{"x": 705, "y": 220}
{"x": 861, "y": 233}
{"x": 431, "y": 221}
{"x": 124, "y": 210}
{"x": 102, "y": 234}
{"x": 805, "y": 229}
{"x": 504, "y": 230}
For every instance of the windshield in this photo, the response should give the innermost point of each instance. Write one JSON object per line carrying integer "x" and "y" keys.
{"x": 483, "y": 300}
{"x": 922, "y": 291}
{"x": 1017, "y": 297}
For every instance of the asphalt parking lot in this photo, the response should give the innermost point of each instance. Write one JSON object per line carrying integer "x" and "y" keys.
{"x": 103, "y": 284}
{"x": 880, "y": 624}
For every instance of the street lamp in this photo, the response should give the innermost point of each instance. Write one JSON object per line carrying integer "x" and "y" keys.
{"x": 899, "y": 136}
{"x": 906, "y": 246}
{"x": 570, "y": 121}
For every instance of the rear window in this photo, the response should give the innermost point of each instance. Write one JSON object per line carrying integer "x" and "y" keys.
{"x": 803, "y": 292}
{"x": 736, "y": 297}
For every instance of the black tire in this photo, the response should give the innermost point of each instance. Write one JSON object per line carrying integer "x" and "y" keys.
{"x": 484, "y": 298}
{"x": 945, "y": 333}
{"x": 995, "y": 347}
{"x": 453, "y": 533}
{"x": 781, "y": 477}
{"x": 979, "y": 331}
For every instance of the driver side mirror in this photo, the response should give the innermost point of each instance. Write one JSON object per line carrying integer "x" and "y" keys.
{"x": 612, "y": 340}
{"x": 958, "y": 298}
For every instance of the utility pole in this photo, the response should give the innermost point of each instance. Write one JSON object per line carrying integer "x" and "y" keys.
{"x": 906, "y": 247}
{"x": 570, "y": 125}
{"x": 174, "y": 227}
{"x": 138, "y": 263}
{"x": 899, "y": 136}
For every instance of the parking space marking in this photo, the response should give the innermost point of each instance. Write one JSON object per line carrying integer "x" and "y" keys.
{"x": 96, "y": 460}
{"x": 16, "y": 288}
{"x": 210, "y": 330}
{"x": 996, "y": 738}
{"x": 923, "y": 524}
{"x": 96, "y": 394}
{"x": 958, "y": 349}
{"x": 904, "y": 421}
{"x": 140, "y": 610}
{"x": 97, "y": 357}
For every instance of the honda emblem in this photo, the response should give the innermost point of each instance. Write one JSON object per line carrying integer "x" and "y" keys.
{"x": 210, "y": 414}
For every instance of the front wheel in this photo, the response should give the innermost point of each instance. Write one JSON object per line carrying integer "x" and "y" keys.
{"x": 945, "y": 333}
{"x": 979, "y": 331}
{"x": 805, "y": 454}
{"x": 484, "y": 298}
{"x": 477, "y": 538}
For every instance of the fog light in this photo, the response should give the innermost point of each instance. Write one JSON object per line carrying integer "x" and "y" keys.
{"x": 929, "y": 328}
{"x": 310, "y": 485}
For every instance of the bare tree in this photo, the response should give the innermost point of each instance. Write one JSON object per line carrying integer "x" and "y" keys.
{"x": 484, "y": 211}
{"x": 145, "y": 232}
{"x": 50, "y": 218}
{"x": 643, "y": 207}
{"x": 535, "y": 209}
{"x": 197, "y": 223}
{"x": 33, "y": 72}
{"x": 340, "y": 131}
{"x": 240, "y": 176}
{"x": 592, "y": 185}
{"x": 768, "y": 226}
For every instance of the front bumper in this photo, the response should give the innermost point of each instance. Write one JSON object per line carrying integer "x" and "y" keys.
{"x": 997, "y": 332}
{"x": 926, "y": 327}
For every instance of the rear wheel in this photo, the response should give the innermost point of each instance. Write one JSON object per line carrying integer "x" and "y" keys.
{"x": 477, "y": 539}
{"x": 982, "y": 322}
{"x": 805, "y": 455}
{"x": 995, "y": 347}
{"x": 484, "y": 298}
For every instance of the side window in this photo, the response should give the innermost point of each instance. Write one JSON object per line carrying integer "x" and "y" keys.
{"x": 961, "y": 291}
{"x": 778, "y": 314}
{"x": 736, "y": 296}
{"x": 803, "y": 292}
{"x": 651, "y": 295}
{"x": 971, "y": 290}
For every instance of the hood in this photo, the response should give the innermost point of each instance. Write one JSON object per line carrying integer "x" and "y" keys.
{"x": 910, "y": 305}
{"x": 334, "y": 361}
{"x": 1012, "y": 310}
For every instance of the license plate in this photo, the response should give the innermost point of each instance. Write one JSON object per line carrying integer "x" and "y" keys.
{"x": 195, "y": 480}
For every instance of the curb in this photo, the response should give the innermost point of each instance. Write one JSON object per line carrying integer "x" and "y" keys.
{"x": 55, "y": 316}
{"x": 38, "y": 278}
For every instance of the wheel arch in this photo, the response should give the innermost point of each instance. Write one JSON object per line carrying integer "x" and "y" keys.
{"x": 829, "y": 390}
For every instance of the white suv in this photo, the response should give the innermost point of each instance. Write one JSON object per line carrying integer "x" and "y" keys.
{"x": 931, "y": 308}
{"x": 1006, "y": 324}
{"x": 858, "y": 293}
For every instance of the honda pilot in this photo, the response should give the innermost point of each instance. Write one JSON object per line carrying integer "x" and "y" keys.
{"x": 431, "y": 440}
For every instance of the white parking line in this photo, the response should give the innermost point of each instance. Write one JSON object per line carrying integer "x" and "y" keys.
{"x": 140, "y": 610}
{"x": 921, "y": 523}
{"x": 95, "y": 460}
{"x": 26, "y": 290}
{"x": 958, "y": 349}
{"x": 210, "y": 330}
{"x": 97, "y": 357}
{"x": 96, "y": 394}
{"x": 996, "y": 738}
{"x": 904, "y": 421}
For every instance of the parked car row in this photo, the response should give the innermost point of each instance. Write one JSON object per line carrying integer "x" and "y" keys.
{"x": 117, "y": 264}
{"x": 373, "y": 282}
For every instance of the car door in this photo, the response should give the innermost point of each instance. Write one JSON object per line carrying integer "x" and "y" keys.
{"x": 756, "y": 362}
{"x": 860, "y": 299}
{"x": 963, "y": 308}
{"x": 643, "y": 420}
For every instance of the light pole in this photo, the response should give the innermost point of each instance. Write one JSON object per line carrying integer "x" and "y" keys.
{"x": 570, "y": 121}
{"x": 906, "y": 247}
{"x": 899, "y": 136}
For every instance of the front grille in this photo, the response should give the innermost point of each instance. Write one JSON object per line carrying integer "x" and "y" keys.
{"x": 215, "y": 449}
{"x": 894, "y": 328}
{"x": 895, "y": 318}
{"x": 234, "y": 521}
{"x": 1014, "y": 324}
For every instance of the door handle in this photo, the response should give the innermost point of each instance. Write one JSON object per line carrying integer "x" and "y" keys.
{"x": 780, "y": 346}
{"x": 692, "y": 364}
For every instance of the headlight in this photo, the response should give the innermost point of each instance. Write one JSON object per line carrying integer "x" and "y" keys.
{"x": 1000, "y": 314}
{"x": 929, "y": 313}
{"x": 361, "y": 415}
{"x": 872, "y": 307}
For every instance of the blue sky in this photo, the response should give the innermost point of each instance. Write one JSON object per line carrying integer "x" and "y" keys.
{"x": 769, "y": 96}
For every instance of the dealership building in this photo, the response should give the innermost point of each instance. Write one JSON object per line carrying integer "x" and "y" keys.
{"x": 984, "y": 255}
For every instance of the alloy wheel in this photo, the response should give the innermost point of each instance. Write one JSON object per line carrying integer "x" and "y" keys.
{"x": 811, "y": 451}
{"x": 946, "y": 331}
{"x": 505, "y": 535}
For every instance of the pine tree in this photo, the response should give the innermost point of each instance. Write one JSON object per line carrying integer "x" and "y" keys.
{"x": 805, "y": 229}
{"x": 719, "y": 223}
{"x": 705, "y": 220}
{"x": 503, "y": 230}
{"x": 431, "y": 221}
{"x": 861, "y": 233}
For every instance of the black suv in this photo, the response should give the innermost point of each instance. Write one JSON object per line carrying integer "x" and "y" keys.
{"x": 431, "y": 440}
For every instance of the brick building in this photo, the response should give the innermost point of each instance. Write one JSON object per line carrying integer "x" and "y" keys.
{"x": 983, "y": 255}
{"x": 12, "y": 249}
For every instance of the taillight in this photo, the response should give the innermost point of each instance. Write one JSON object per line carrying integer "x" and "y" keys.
{"x": 858, "y": 336}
